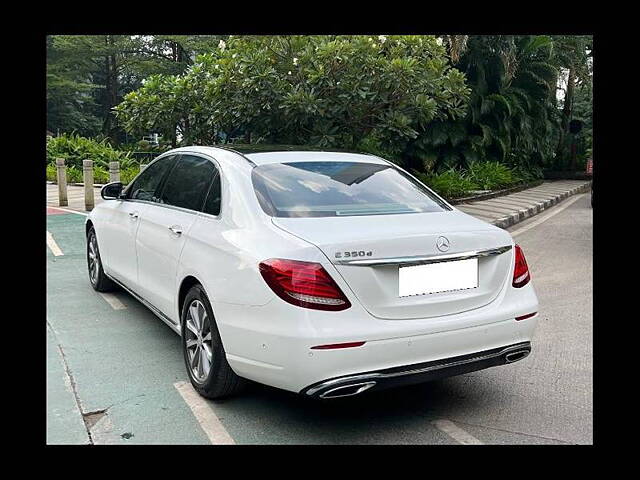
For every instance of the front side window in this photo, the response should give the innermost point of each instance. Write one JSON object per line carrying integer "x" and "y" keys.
{"x": 326, "y": 189}
{"x": 188, "y": 182}
{"x": 145, "y": 186}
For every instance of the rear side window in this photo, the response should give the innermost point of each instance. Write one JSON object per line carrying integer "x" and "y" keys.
{"x": 145, "y": 186}
{"x": 212, "y": 203}
{"x": 188, "y": 182}
{"x": 327, "y": 189}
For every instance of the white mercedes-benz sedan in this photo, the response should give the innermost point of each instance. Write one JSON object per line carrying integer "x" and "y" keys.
{"x": 323, "y": 273}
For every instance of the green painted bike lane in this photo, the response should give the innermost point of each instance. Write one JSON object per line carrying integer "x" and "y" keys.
{"x": 121, "y": 363}
{"x": 125, "y": 362}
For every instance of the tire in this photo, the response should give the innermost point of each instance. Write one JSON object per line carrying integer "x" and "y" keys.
{"x": 220, "y": 380}
{"x": 99, "y": 281}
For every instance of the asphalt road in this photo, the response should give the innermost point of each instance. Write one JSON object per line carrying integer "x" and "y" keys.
{"x": 115, "y": 372}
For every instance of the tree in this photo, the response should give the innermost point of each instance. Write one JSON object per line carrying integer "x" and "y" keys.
{"x": 87, "y": 75}
{"x": 70, "y": 88}
{"x": 573, "y": 56}
{"x": 512, "y": 115}
{"x": 349, "y": 91}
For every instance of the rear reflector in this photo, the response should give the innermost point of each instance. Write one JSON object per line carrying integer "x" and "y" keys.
{"x": 521, "y": 275}
{"x": 332, "y": 346}
{"x": 528, "y": 315}
{"x": 305, "y": 284}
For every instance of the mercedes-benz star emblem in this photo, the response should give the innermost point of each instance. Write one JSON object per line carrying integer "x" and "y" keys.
{"x": 442, "y": 244}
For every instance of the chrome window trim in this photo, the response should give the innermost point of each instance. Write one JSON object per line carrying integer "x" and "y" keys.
{"x": 172, "y": 207}
{"x": 424, "y": 259}
{"x": 208, "y": 215}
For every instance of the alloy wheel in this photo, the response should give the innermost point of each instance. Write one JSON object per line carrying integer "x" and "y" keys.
{"x": 198, "y": 341}
{"x": 94, "y": 260}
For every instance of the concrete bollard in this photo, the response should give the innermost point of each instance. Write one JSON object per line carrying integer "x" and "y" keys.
{"x": 114, "y": 171}
{"x": 87, "y": 175}
{"x": 61, "y": 171}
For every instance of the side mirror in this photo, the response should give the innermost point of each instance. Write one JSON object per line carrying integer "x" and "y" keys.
{"x": 111, "y": 191}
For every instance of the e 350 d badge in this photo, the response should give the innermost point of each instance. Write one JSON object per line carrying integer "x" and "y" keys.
{"x": 354, "y": 254}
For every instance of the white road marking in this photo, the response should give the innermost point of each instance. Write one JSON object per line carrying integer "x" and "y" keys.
{"x": 112, "y": 300}
{"x": 455, "y": 432}
{"x": 67, "y": 210}
{"x": 53, "y": 246}
{"x": 207, "y": 419}
{"x": 544, "y": 218}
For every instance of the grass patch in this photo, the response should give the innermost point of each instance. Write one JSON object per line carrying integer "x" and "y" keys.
{"x": 492, "y": 175}
{"x": 457, "y": 183}
{"x": 451, "y": 183}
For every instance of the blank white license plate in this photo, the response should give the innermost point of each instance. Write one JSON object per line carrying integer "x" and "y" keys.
{"x": 438, "y": 277}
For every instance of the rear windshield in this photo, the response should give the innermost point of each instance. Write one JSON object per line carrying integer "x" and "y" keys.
{"x": 330, "y": 189}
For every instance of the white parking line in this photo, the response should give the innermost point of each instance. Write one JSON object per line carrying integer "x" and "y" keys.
{"x": 207, "y": 419}
{"x": 53, "y": 246}
{"x": 67, "y": 210}
{"x": 112, "y": 300}
{"x": 544, "y": 218}
{"x": 455, "y": 432}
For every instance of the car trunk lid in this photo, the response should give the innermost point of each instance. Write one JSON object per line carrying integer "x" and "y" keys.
{"x": 368, "y": 252}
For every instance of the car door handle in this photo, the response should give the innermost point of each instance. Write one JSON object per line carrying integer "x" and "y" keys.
{"x": 176, "y": 230}
{"x": 133, "y": 215}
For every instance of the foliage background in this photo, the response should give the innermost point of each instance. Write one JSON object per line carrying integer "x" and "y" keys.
{"x": 464, "y": 112}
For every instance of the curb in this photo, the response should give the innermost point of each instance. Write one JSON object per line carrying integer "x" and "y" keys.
{"x": 497, "y": 193}
{"x": 523, "y": 214}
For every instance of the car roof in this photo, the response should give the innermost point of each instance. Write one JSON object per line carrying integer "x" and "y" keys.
{"x": 268, "y": 148}
{"x": 264, "y": 158}
{"x": 264, "y": 154}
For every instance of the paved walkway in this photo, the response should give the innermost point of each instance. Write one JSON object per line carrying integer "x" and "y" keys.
{"x": 75, "y": 197}
{"x": 514, "y": 208}
{"x": 501, "y": 211}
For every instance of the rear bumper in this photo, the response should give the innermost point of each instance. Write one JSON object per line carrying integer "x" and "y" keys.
{"x": 350, "y": 385}
{"x": 273, "y": 344}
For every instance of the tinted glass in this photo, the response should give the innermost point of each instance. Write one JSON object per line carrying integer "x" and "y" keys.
{"x": 212, "y": 203}
{"x": 326, "y": 189}
{"x": 145, "y": 186}
{"x": 188, "y": 182}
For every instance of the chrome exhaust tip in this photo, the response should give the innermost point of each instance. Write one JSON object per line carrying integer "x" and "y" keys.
{"x": 515, "y": 356}
{"x": 347, "y": 390}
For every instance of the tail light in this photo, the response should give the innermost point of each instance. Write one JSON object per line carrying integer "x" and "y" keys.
{"x": 305, "y": 284}
{"x": 521, "y": 275}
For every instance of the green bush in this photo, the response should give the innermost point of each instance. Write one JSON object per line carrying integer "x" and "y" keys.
{"x": 322, "y": 90}
{"x": 527, "y": 174}
{"x": 492, "y": 175}
{"x": 450, "y": 184}
{"x": 127, "y": 174}
{"x": 100, "y": 175}
{"x": 51, "y": 173}
{"x": 74, "y": 174}
{"x": 74, "y": 149}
